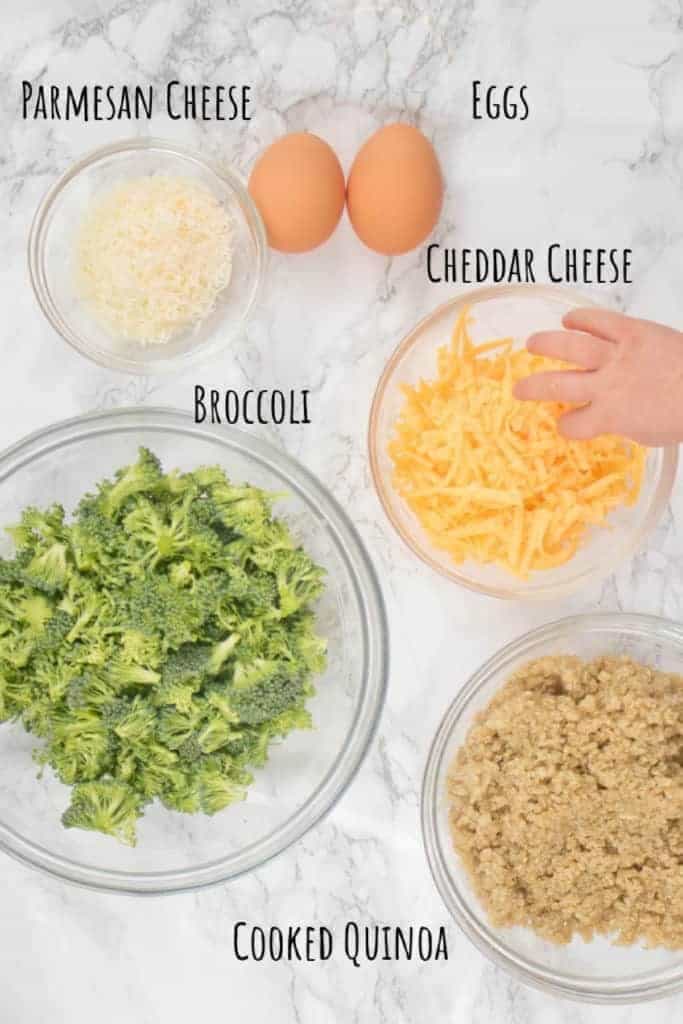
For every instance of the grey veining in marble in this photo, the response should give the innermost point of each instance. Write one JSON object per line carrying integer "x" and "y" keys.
{"x": 599, "y": 162}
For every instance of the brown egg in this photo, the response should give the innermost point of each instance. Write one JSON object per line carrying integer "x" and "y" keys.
{"x": 395, "y": 190}
{"x": 298, "y": 187}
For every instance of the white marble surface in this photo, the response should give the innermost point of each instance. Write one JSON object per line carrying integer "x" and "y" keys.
{"x": 600, "y": 161}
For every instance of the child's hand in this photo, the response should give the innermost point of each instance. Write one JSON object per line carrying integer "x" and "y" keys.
{"x": 630, "y": 382}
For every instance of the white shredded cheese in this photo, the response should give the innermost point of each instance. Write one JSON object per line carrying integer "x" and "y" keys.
{"x": 153, "y": 254}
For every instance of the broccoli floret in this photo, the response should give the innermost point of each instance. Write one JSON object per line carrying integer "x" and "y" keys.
{"x": 156, "y": 537}
{"x": 143, "y": 476}
{"x": 264, "y": 698}
{"x": 19, "y": 691}
{"x": 249, "y": 746}
{"x": 248, "y": 675}
{"x": 8, "y": 707}
{"x": 157, "y": 608}
{"x": 219, "y": 700}
{"x": 123, "y": 675}
{"x": 185, "y": 669}
{"x": 85, "y": 610}
{"x": 242, "y": 508}
{"x": 156, "y": 778}
{"x": 214, "y": 734}
{"x": 53, "y": 634}
{"x": 79, "y": 745}
{"x": 114, "y": 711}
{"x": 184, "y": 796}
{"x": 287, "y": 721}
{"x": 204, "y": 478}
{"x": 52, "y": 676}
{"x": 177, "y": 695}
{"x": 105, "y": 806}
{"x": 35, "y": 611}
{"x": 90, "y": 690}
{"x": 24, "y": 617}
{"x": 181, "y": 575}
{"x": 48, "y": 571}
{"x": 190, "y": 752}
{"x": 177, "y": 727}
{"x": 38, "y": 716}
{"x": 305, "y": 646}
{"x": 189, "y": 662}
{"x": 252, "y": 591}
{"x": 137, "y": 724}
{"x": 15, "y": 649}
{"x": 10, "y": 572}
{"x": 138, "y": 649}
{"x": 220, "y": 653}
{"x": 299, "y": 581}
{"x": 98, "y": 546}
{"x": 182, "y": 676}
{"x": 217, "y": 790}
{"x": 38, "y": 528}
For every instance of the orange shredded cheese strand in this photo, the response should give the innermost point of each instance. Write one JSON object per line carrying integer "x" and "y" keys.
{"x": 490, "y": 478}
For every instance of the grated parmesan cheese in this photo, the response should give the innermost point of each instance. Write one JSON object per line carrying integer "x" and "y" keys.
{"x": 153, "y": 255}
{"x": 489, "y": 477}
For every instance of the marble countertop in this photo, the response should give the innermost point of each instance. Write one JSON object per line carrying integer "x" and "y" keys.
{"x": 600, "y": 162}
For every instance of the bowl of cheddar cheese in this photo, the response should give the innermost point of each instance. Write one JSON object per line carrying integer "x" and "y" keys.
{"x": 482, "y": 487}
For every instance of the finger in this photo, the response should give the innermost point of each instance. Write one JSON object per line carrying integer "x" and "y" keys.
{"x": 574, "y": 386}
{"x": 581, "y": 424}
{"x": 602, "y": 323}
{"x": 572, "y": 347}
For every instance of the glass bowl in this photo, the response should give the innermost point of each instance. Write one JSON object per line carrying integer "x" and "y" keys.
{"x": 307, "y": 772}
{"x": 515, "y": 311}
{"x": 52, "y": 243}
{"x": 591, "y": 971}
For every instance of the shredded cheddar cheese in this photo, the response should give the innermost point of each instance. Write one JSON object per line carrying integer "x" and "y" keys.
{"x": 490, "y": 478}
{"x": 153, "y": 254}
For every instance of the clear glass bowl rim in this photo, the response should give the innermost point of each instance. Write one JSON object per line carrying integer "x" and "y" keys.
{"x": 610, "y": 991}
{"x": 618, "y": 553}
{"x": 38, "y": 274}
{"x": 374, "y": 637}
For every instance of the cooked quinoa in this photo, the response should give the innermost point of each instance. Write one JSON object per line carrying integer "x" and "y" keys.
{"x": 566, "y": 802}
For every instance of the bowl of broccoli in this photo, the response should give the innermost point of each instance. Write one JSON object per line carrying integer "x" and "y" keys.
{"x": 192, "y": 652}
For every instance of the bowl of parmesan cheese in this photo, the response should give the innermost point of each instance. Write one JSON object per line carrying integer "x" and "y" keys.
{"x": 146, "y": 258}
